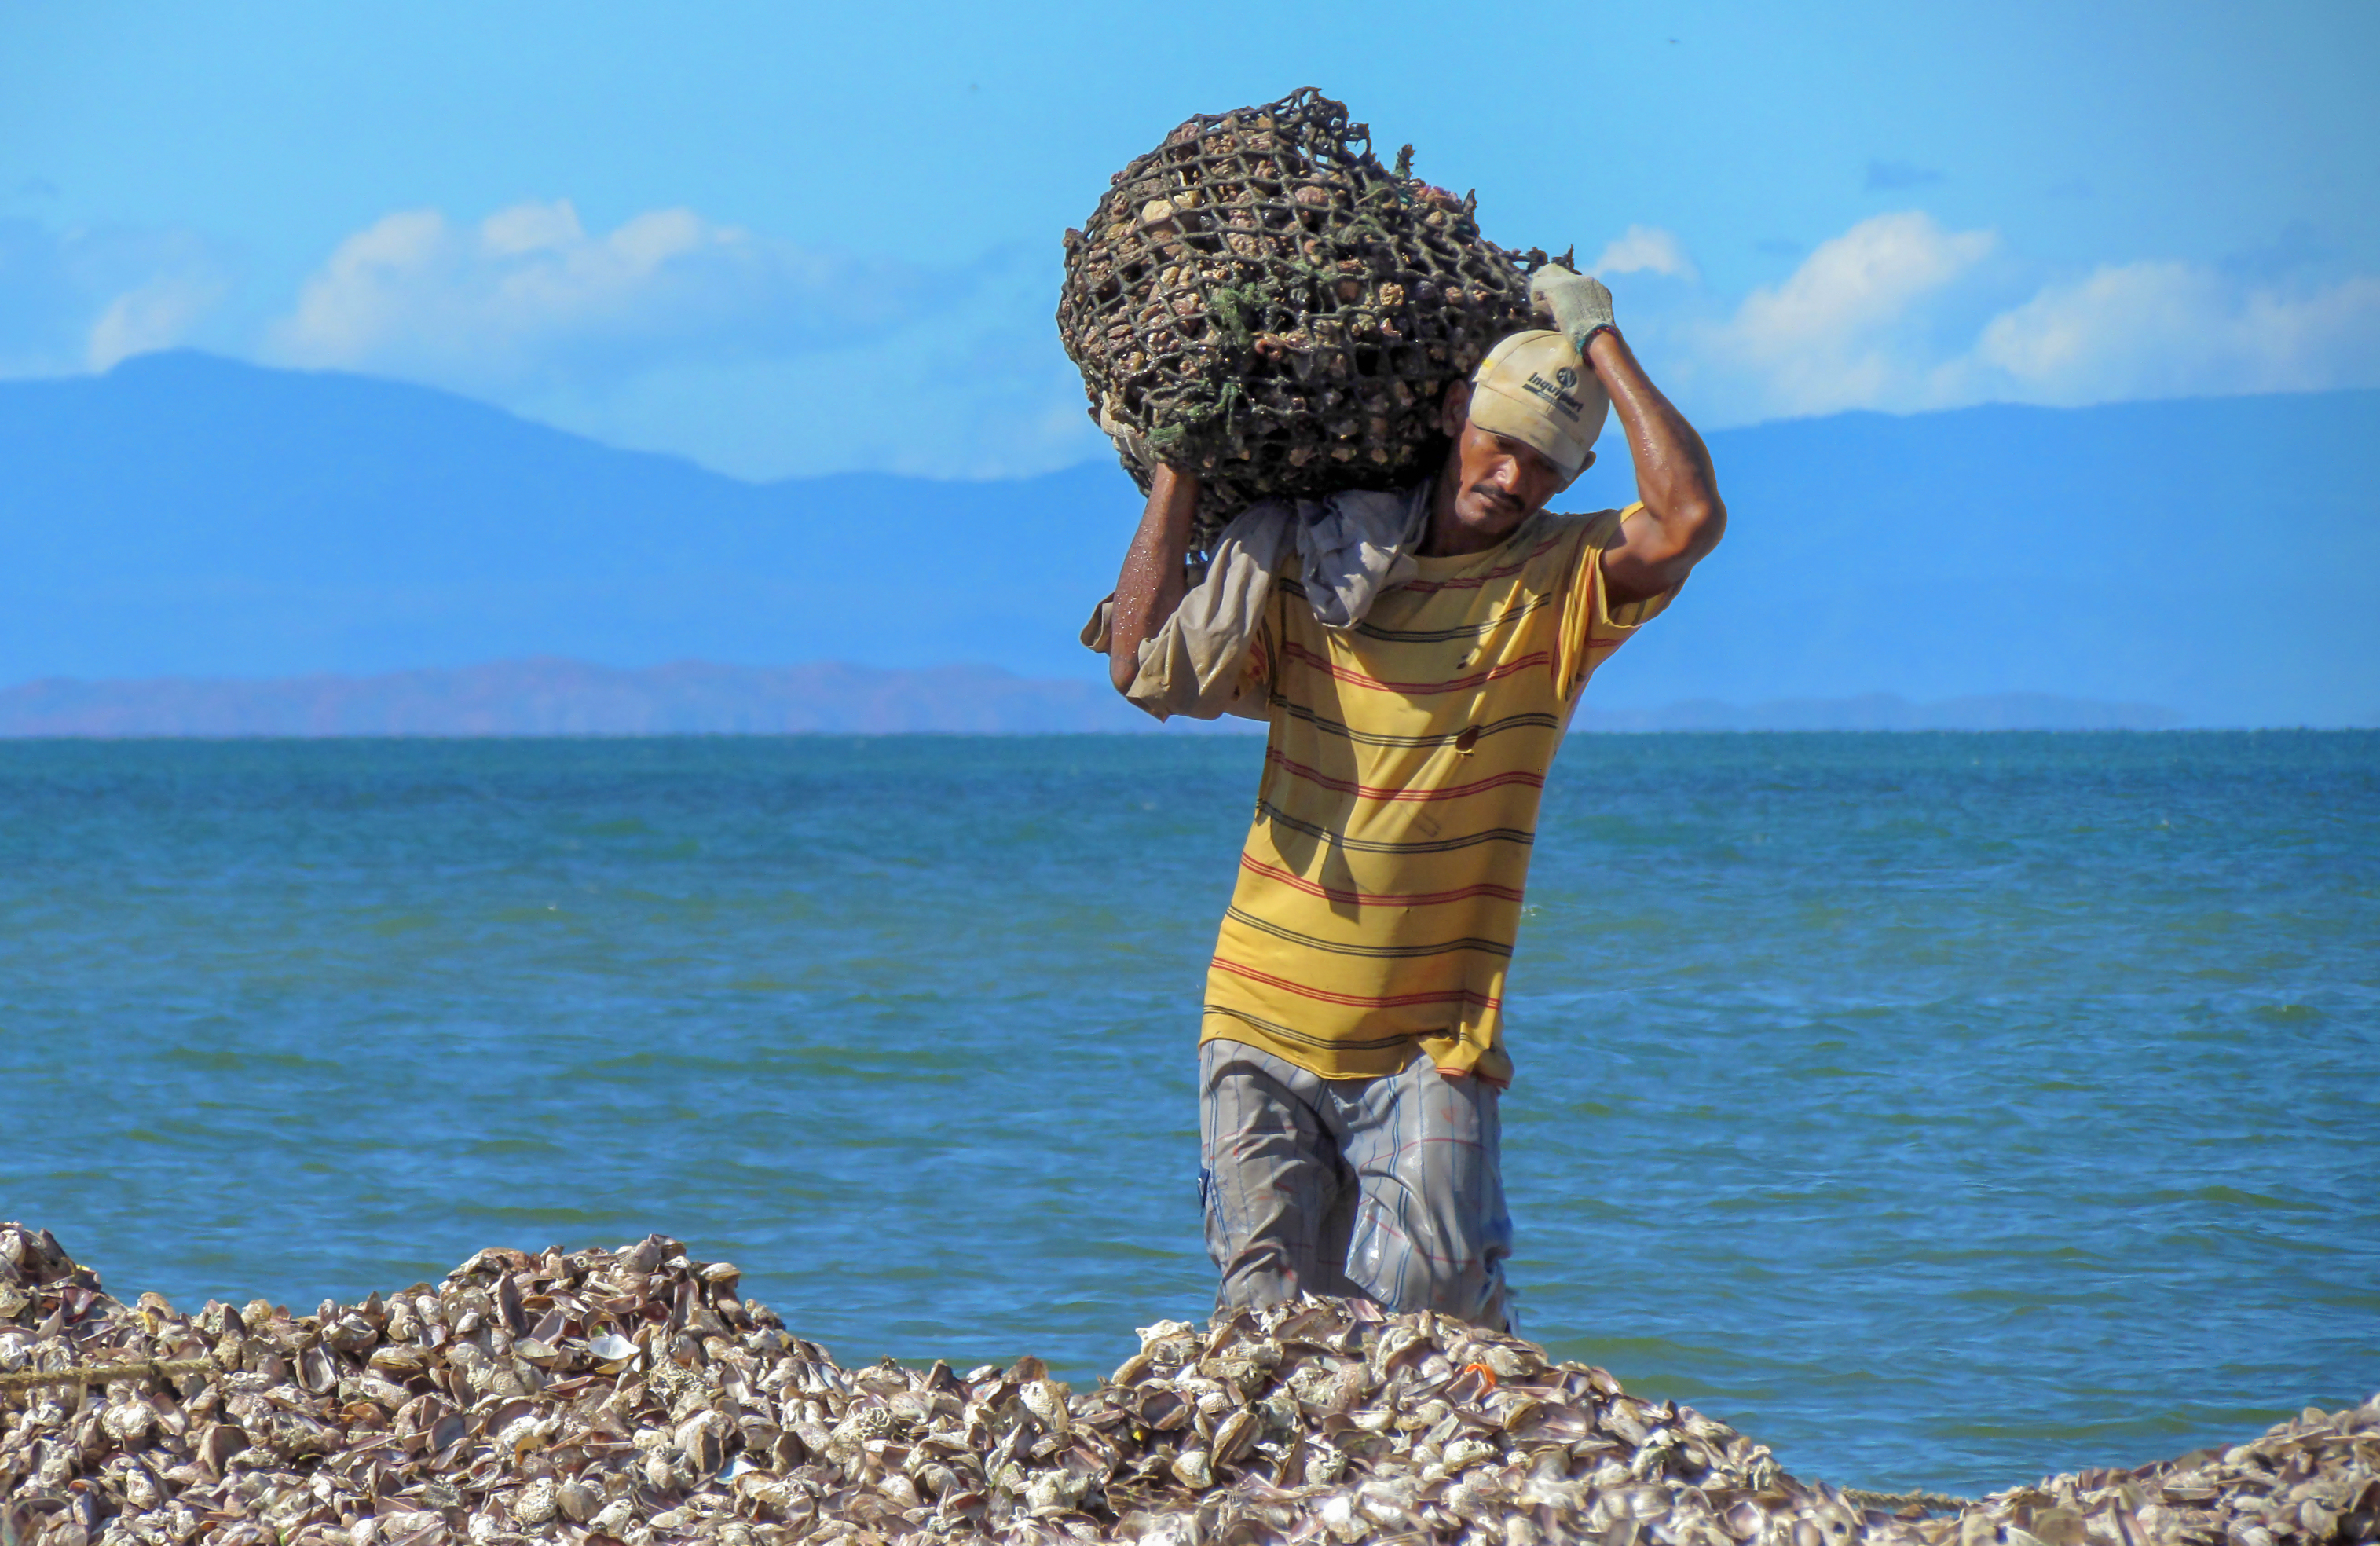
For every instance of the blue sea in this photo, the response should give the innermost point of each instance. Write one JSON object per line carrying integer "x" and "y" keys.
{"x": 1942, "y": 1109}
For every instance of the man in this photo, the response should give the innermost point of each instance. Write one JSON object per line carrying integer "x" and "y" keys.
{"x": 1417, "y": 682}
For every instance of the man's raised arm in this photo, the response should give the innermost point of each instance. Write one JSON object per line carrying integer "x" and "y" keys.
{"x": 1683, "y": 518}
{"x": 1151, "y": 584}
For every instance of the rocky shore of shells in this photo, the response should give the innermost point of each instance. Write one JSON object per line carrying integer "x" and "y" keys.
{"x": 633, "y": 1396}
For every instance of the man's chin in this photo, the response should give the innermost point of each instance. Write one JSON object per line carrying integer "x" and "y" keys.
{"x": 1492, "y": 520}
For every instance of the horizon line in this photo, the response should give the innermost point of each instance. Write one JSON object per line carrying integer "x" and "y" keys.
{"x": 544, "y": 697}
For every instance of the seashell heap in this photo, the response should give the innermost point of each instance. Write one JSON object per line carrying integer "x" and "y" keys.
{"x": 631, "y": 1396}
{"x": 1261, "y": 299}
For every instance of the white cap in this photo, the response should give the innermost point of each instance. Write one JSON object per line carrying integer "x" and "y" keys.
{"x": 1534, "y": 388}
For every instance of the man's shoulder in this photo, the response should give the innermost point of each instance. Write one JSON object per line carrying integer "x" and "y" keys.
{"x": 1552, "y": 541}
{"x": 1573, "y": 522}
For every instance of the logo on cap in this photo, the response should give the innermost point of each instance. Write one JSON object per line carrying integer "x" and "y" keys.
{"x": 1568, "y": 377}
{"x": 1554, "y": 396}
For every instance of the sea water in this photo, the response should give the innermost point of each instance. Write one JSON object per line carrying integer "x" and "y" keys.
{"x": 1940, "y": 1108}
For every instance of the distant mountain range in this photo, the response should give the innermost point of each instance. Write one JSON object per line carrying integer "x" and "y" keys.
{"x": 551, "y": 696}
{"x": 193, "y": 518}
{"x": 573, "y": 697}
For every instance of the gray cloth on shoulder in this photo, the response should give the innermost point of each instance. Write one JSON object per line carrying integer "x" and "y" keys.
{"x": 1342, "y": 550}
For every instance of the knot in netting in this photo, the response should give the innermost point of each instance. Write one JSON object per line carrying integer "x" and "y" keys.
{"x": 1261, "y": 301}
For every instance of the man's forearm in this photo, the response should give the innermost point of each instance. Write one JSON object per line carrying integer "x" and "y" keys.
{"x": 1683, "y": 518}
{"x": 1151, "y": 584}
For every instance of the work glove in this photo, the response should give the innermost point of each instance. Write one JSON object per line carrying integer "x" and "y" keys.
{"x": 1577, "y": 304}
{"x": 1128, "y": 442}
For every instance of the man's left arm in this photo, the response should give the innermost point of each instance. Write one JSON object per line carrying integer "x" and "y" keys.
{"x": 1682, "y": 518}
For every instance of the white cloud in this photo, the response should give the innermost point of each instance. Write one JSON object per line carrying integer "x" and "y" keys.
{"x": 1866, "y": 277}
{"x": 84, "y": 297}
{"x": 1645, "y": 249}
{"x": 1851, "y": 328}
{"x": 159, "y": 314}
{"x": 978, "y": 390}
{"x": 1898, "y": 315}
{"x": 528, "y": 296}
{"x": 766, "y": 358}
{"x": 2170, "y": 329}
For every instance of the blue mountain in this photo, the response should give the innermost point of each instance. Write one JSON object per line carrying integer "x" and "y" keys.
{"x": 191, "y": 515}
{"x": 2218, "y": 556}
{"x": 187, "y": 515}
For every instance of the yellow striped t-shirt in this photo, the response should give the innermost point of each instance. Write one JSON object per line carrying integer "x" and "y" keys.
{"x": 1380, "y": 891}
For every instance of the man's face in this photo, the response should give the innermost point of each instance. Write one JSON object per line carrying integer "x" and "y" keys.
{"x": 1498, "y": 481}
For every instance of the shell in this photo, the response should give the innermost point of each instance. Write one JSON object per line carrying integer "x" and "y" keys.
{"x": 1260, "y": 298}
{"x": 537, "y": 1503}
{"x": 1320, "y": 1421}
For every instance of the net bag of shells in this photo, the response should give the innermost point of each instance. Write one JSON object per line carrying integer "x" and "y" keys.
{"x": 1261, "y": 299}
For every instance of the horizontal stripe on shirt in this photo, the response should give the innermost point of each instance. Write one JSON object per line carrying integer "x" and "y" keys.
{"x": 1442, "y": 636}
{"x": 1297, "y": 652}
{"x": 1473, "y": 582}
{"x": 1317, "y": 777}
{"x": 1358, "y": 1001}
{"x": 1428, "y": 728}
{"x": 1364, "y": 738}
{"x": 1287, "y": 1033}
{"x": 1379, "y": 898}
{"x": 1267, "y": 810}
{"x": 1373, "y": 952}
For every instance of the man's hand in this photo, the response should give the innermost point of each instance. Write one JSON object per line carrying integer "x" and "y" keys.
{"x": 1577, "y": 304}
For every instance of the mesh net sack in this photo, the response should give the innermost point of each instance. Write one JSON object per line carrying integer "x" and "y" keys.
{"x": 1261, "y": 299}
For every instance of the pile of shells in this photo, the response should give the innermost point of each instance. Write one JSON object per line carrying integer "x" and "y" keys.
{"x": 631, "y": 1397}
{"x": 1261, "y": 299}
{"x": 2316, "y": 1480}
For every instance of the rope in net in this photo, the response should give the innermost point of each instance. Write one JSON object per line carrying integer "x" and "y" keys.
{"x": 1261, "y": 299}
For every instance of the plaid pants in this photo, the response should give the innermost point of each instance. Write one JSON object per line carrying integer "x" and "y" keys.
{"x": 1390, "y": 1189}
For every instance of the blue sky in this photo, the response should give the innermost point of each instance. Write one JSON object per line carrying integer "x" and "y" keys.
{"x": 786, "y": 240}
